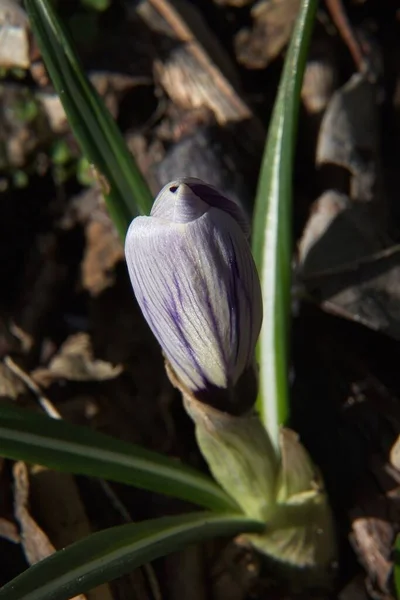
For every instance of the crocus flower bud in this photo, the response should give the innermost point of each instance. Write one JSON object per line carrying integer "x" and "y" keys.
{"x": 195, "y": 280}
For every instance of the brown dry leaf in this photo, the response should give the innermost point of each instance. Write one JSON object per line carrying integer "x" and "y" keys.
{"x": 20, "y": 136}
{"x": 111, "y": 86}
{"x": 14, "y": 37}
{"x": 374, "y": 418}
{"x": 54, "y": 111}
{"x": 103, "y": 249}
{"x": 59, "y": 508}
{"x": 75, "y": 362}
{"x": 10, "y": 385}
{"x": 12, "y": 338}
{"x": 186, "y": 70}
{"x": 35, "y": 542}
{"x": 273, "y": 22}
{"x": 358, "y": 421}
{"x": 373, "y": 539}
{"x": 395, "y": 454}
{"x": 9, "y": 531}
{"x": 346, "y": 258}
{"x": 58, "y": 505}
{"x": 319, "y": 81}
{"x": 102, "y": 253}
{"x": 338, "y": 234}
{"x": 206, "y": 115}
{"x": 349, "y": 136}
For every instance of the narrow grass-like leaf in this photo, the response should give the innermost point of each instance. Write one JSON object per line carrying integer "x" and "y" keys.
{"x": 397, "y": 566}
{"x": 113, "y": 552}
{"x": 272, "y": 229}
{"x": 59, "y": 445}
{"x": 91, "y": 122}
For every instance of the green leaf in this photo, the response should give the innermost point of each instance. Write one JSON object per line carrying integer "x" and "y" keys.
{"x": 113, "y": 552}
{"x": 397, "y": 566}
{"x": 99, "y": 5}
{"x": 59, "y": 445}
{"x": 92, "y": 124}
{"x": 272, "y": 229}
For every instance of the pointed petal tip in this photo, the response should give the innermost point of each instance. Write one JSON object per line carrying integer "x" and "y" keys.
{"x": 187, "y": 198}
{"x": 178, "y": 203}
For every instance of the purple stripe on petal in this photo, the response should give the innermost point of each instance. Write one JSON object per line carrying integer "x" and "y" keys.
{"x": 216, "y": 330}
{"x": 235, "y": 303}
{"x": 195, "y": 280}
{"x": 181, "y": 364}
{"x": 178, "y": 289}
{"x": 176, "y": 315}
{"x": 177, "y": 320}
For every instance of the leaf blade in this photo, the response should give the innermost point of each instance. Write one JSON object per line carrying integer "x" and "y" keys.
{"x": 59, "y": 445}
{"x": 272, "y": 245}
{"x": 91, "y": 122}
{"x": 397, "y": 566}
{"x": 113, "y": 552}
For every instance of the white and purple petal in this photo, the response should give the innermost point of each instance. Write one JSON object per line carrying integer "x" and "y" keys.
{"x": 188, "y": 195}
{"x": 195, "y": 280}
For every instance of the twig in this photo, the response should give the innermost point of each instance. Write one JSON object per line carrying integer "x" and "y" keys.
{"x": 342, "y": 23}
{"x": 44, "y": 402}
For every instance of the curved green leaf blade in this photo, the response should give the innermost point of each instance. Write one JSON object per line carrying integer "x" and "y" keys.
{"x": 80, "y": 450}
{"x": 272, "y": 229}
{"x": 397, "y": 566}
{"x": 92, "y": 124}
{"x": 113, "y": 552}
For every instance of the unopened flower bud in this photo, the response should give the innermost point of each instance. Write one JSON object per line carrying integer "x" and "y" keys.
{"x": 196, "y": 283}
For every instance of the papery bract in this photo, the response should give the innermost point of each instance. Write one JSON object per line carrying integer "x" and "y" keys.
{"x": 196, "y": 282}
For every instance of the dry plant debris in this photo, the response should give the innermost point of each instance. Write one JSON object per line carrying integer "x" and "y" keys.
{"x": 346, "y": 255}
{"x": 191, "y": 85}
{"x": 75, "y": 362}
